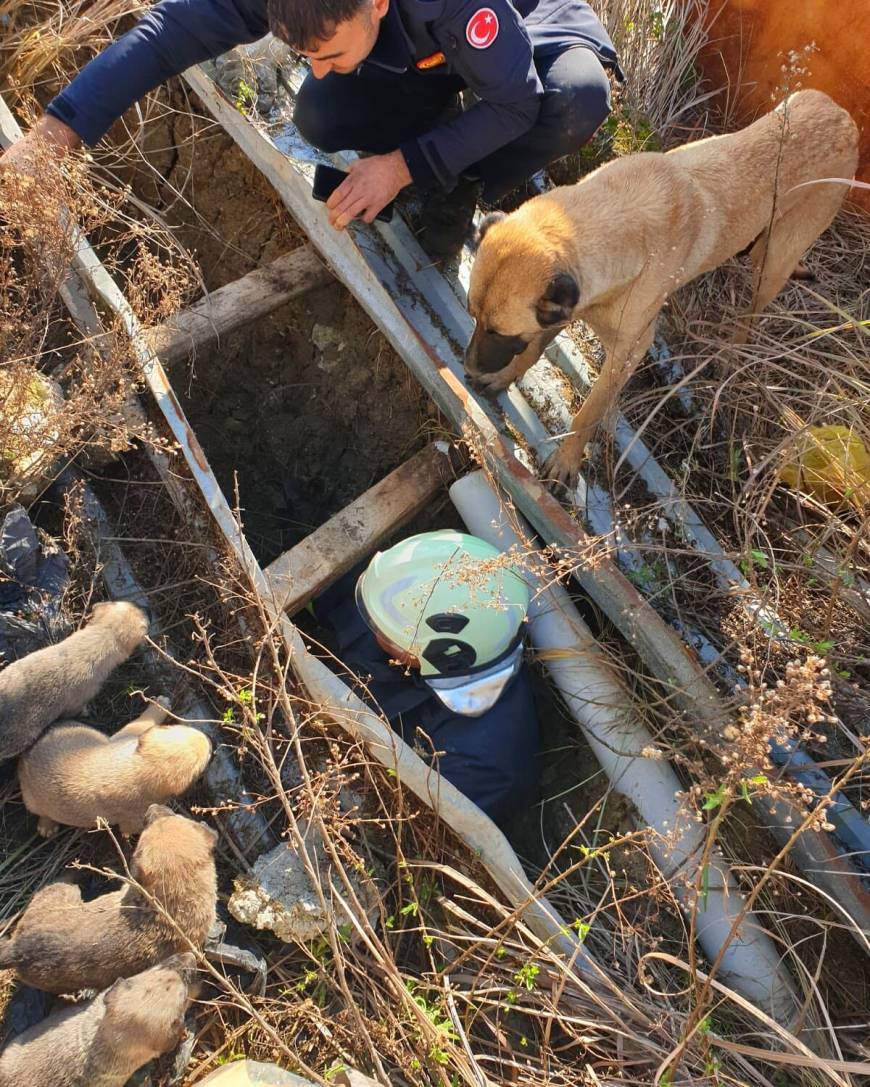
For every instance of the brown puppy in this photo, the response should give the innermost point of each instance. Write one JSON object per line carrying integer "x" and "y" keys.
{"x": 75, "y": 775}
{"x": 102, "y": 1042}
{"x": 61, "y": 679}
{"x": 62, "y": 944}
{"x": 613, "y": 247}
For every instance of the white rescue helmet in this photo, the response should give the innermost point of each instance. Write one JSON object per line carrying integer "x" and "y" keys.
{"x": 452, "y": 606}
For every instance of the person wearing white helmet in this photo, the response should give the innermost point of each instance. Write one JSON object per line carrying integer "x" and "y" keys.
{"x": 434, "y": 632}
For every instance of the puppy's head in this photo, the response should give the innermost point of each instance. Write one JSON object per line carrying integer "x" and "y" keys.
{"x": 521, "y": 283}
{"x": 170, "y": 846}
{"x": 128, "y": 620}
{"x": 175, "y": 755}
{"x": 145, "y": 1014}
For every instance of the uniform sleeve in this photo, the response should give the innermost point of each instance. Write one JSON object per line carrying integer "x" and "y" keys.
{"x": 174, "y": 35}
{"x": 503, "y": 77}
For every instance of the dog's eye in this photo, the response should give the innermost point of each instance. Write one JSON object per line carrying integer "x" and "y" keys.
{"x": 515, "y": 344}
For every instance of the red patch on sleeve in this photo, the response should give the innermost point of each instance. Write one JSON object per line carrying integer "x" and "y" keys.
{"x": 482, "y": 28}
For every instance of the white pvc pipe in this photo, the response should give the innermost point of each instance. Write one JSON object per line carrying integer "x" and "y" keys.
{"x": 602, "y": 707}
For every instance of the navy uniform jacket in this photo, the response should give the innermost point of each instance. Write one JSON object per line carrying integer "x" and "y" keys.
{"x": 179, "y": 33}
{"x": 492, "y": 759}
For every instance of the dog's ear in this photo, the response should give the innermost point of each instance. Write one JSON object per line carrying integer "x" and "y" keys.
{"x": 157, "y": 811}
{"x": 210, "y": 833}
{"x": 485, "y": 223}
{"x": 557, "y": 303}
{"x": 114, "y": 995}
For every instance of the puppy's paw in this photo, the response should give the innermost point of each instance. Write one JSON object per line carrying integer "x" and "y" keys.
{"x": 564, "y": 465}
{"x": 47, "y": 828}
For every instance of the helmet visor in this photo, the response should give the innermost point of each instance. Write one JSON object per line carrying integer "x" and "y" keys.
{"x": 474, "y": 695}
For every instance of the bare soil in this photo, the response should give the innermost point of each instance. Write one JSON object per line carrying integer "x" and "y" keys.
{"x": 298, "y": 413}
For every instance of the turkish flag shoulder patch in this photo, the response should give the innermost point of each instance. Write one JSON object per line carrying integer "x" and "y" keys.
{"x": 482, "y": 28}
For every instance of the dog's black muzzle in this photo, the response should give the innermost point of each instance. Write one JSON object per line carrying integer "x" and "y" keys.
{"x": 490, "y": 352}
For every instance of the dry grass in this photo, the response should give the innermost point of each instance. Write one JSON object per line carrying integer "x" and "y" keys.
{"x": 752, "y": 413}
{"x": 41, "y": 45}
{"x": 444, "y": 969}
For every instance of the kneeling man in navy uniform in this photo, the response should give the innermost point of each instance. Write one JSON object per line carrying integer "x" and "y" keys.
{"x": 385, "y": 78}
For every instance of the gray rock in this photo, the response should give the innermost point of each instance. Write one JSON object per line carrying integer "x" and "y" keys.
{"x": 280, "y": 897}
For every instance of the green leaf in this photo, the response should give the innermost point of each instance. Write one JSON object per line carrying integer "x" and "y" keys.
{"x": 527, "y": 975}
{"x": 714, "y": 800}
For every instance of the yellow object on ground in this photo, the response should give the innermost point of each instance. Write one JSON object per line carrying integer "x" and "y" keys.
{"x": 29, "y": 407}
{"x": 833, "y": 465}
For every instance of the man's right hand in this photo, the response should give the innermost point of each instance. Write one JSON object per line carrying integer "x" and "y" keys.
{"x": 49, "y": 132}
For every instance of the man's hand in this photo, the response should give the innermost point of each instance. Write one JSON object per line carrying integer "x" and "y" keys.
{"x": 48, "y": 131}
{"x": 371, "y": 184}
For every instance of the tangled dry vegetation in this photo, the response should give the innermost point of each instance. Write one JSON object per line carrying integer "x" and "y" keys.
{"x": 440, "y": 982}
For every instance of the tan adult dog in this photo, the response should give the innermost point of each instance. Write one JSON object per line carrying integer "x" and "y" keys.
{"x": 613, "y": 247}
{"x": 74, "y": 775}
{"x": 105, "y": 1040}
{"x": 62, "y": 944}
{"x": 60, "y": 680}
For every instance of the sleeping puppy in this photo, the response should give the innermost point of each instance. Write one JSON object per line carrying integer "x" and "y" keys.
{"x": 613, "y": 247}
{"x": 105, "y": 1040}
{"x": 75, "y": 775}
{"x": 62, "y": 944}
{"x": 61, "y": 679}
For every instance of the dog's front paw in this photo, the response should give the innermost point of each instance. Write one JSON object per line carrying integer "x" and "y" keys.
{"x": 491, "y": 384}
{"x": 564, "y": 465}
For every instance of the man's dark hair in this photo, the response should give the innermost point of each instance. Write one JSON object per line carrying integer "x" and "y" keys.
{"x": 303, "y": 23}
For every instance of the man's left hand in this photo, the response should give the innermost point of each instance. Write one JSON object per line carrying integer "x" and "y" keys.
{"x": 370, "y": 185}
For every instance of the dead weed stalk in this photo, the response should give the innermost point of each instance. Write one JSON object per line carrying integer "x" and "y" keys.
{"x": 64, "y": 395}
